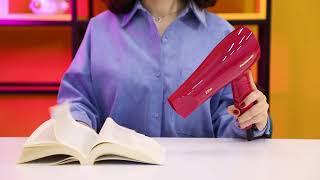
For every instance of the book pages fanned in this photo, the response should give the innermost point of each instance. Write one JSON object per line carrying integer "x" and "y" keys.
{"x": 62, "y": 140}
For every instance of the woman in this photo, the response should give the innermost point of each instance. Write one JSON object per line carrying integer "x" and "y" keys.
{"x": 135, "y": 55}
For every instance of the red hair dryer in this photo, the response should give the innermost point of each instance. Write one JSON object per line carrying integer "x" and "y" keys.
{"x": 229, "y": 61}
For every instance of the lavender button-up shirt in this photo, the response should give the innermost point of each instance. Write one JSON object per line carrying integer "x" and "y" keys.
{"x": 124, "y": 69}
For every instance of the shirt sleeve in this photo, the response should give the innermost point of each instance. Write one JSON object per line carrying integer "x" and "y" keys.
{"x": 224, "y": 124}
{"x": 76, "y": 85}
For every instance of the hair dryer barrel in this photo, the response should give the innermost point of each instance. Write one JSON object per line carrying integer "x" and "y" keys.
{"x": 230, "y": 59}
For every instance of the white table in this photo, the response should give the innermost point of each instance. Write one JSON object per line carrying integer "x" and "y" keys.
{"x": 219, "y": 159}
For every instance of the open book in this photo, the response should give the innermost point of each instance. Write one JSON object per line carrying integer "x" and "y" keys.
{"x": 62, "y": 135}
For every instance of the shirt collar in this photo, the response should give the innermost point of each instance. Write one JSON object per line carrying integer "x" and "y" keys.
{"x": 127, "y": 17}
{"x": 200, "y": 14}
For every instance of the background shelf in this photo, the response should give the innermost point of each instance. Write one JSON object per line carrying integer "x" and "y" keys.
{"x": 29, "y": 79}
{"x": 34, "y": 55}
{"x": 14, "y": 88}
{"x": 249, "y": 12}
{"x": 242, "y": 16}
{"x": 21, "y": 113}
{"x": 241, "y": 10}
{"x": 34, "y": 17}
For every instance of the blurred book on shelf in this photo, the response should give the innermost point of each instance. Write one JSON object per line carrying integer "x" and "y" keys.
{"x": 35, "y": 10}
{"x": 35, "y": 17}
{"x": 241, "y": 9}
{"x": 4, "y": 7}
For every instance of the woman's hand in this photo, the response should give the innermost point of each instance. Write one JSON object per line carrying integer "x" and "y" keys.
{"x": 257, "y": 114}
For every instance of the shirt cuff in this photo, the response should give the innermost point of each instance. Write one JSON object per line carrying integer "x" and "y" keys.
{"x": 82, "y": 117}
{"x": 266, "y": 130}
{"x": 256, "y": 133}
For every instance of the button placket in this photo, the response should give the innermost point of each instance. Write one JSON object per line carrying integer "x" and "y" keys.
{"x": 156, "y": 115}
{"x": 158, "y": 74}
{"x": 165, "y": 38}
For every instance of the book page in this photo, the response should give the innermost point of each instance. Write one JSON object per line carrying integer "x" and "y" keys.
{"x": 42, "y": 145}
{"x": 48, "y": 153}
{"x": 44, "y": 134}
{"x": 71, "y": 133}
{"x": 111, "y": 132}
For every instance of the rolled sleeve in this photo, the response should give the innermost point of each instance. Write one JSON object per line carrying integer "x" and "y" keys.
{"x": 76, "y": 86}
{"x": 82, "y": 117}
{"x": 266, "y": 131}
{"x": 225, "y": 124}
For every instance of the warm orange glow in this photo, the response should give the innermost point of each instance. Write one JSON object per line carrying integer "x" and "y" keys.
{"x": 34, "y": 54}
{"x": 21, "y": 114}
{"x": 37, "y": 54}
{"x": 294, "y": 69}
{"x": 240, "y": 9}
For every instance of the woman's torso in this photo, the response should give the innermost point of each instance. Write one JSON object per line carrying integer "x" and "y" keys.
{"x": 134, "y": 70}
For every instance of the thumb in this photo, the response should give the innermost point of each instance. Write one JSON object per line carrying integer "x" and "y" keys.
{"x": 233, "y": 111}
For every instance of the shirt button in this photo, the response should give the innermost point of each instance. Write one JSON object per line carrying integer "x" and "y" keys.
{"x": 165, "y": 38}
{"x": 156, "y": 115}
{"x": 158, "y": 74}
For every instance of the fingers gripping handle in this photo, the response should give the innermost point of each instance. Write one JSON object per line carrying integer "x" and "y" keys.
{"x": 241, "y": 88}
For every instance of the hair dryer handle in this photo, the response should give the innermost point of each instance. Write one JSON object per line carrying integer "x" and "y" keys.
{"x": 241, "y": 88}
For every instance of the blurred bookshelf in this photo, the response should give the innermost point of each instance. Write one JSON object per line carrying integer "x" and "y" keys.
{"x": 32, "y": 19}
{"x": 36, "y": 49}
{"x": 249, "y": 10}
{"x": 240, "y": 12}
{"x": 35, "y": 17}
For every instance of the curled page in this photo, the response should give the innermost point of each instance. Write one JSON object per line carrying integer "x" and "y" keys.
{"x": 71, "y": 133}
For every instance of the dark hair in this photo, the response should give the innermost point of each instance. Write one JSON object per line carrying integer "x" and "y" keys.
{"x": 125, "y": 6}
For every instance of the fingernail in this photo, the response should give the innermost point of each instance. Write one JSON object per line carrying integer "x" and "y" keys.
{"x": 242, "y": 105}
{"x": 236, "y": 112}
